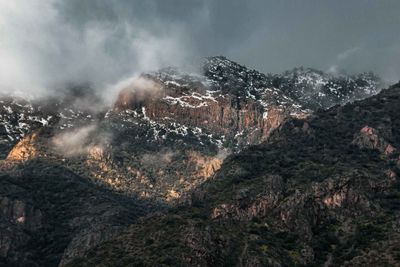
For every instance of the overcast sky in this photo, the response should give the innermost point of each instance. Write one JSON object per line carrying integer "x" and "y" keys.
{"x": 45, "y": 43}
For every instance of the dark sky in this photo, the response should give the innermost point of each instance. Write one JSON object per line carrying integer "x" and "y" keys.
{"x": 47, "y": 42}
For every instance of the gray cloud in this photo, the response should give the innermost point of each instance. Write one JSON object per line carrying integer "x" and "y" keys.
{"x": 45, "y": 43}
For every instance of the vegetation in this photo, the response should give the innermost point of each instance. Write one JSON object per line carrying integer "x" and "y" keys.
{"x": 306, "y": 198}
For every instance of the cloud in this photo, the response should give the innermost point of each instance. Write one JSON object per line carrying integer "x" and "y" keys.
{"x": 78, "y": 141}
{"x": 45, "y": 44}
{"x": 342, "y": 58}
{"x": 133, "y": 92}
{"x": 348, "y": 53}
{"x": 157, "y": 160}
{"x": 42, "y": 50}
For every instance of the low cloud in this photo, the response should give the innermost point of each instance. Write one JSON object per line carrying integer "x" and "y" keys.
{"x": 78, "y": 142}
{"x": 346, "y": 54}
{"x": 157, "y": 160}
{"x": 134, "y": 92}
{"x": 342, "y": 58}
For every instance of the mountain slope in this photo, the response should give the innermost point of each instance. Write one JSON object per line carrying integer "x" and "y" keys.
{"x": 323, "y": 191}
{"x": 167, "y": 133}
{"x": 49, "y": 214}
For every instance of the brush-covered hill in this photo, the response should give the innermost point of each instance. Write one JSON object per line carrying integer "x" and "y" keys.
{"x": 323, "y": 191}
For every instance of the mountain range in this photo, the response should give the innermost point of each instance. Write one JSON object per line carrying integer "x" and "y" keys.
{"x": 227, "y": 167}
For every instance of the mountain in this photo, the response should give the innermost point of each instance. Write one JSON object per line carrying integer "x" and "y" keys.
{"x": 315, "y": 89}
{"x": 323, "y": 191}
{"x": 100, "y": 169}
{"x": 185, "y": 123}
{"x": 239, "y": 105}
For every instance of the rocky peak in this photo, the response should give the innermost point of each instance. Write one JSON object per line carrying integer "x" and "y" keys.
{"x": 232, "y": 77}
{"x": 316, "y": 89}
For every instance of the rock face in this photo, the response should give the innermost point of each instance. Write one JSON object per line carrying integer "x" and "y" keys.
{"x": 323, "y": 191}
{"x": 241, "y": 105}
{"x": 25, "y": 149}
{"x": 75, "y": 173}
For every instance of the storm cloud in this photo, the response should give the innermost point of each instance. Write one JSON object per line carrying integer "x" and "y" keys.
{"x": 47, "y": 43}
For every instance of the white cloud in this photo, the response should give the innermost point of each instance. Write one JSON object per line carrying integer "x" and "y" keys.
{"x": 74, "y": 142}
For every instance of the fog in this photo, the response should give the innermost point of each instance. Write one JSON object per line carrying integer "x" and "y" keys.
{"x": 74, "y": 142}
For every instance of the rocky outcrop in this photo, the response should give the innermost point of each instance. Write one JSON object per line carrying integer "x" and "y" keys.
{"x": 370, "y": 138}
{"x": 25, "y": 149}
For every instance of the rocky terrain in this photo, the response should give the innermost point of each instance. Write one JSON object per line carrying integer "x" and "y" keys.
{"x": 76, "y": 173}
{"x": 323, "y": 191}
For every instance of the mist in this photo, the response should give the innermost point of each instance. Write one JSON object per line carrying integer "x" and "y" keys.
{"x": 81, "y": 141}
{"x": 74, "y": 142}
{"x": 46, "y": 44}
